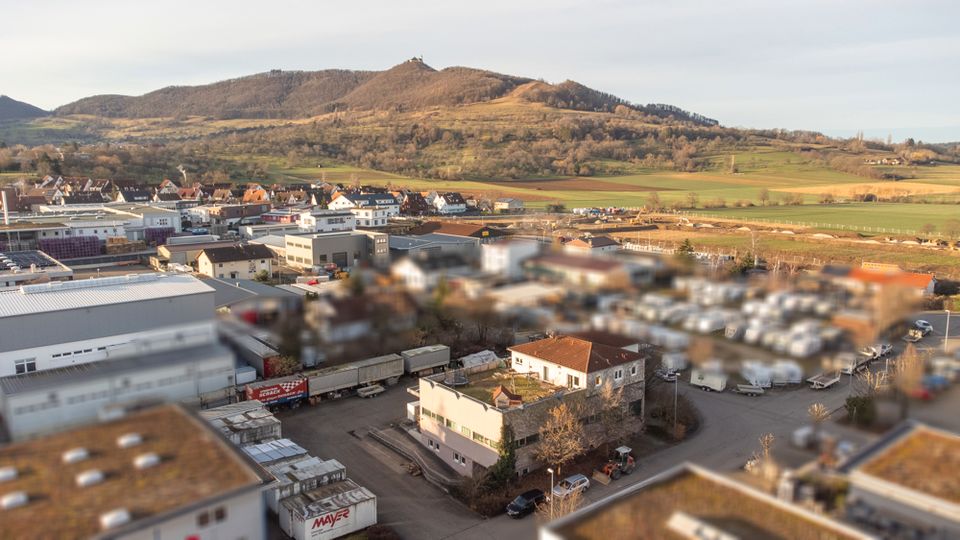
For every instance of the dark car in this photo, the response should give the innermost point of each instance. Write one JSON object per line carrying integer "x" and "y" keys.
{"x": 525, "y": 503}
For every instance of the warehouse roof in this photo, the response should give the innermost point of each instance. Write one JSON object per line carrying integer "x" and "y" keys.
{"x": 78, "y": 294}
{"x": 577, "y": 354}
{"x": 196, "y": 467}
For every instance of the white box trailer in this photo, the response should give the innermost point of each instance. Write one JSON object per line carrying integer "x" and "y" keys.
{"x": 307, "y": 474}
{"x": 386, "y": 369}
{"x": 708, "y": 380}
{"x": 328, "y": 512}
{"x": 332, "y": 379}
{"x": 425, "y": 359}
{"x": 756, "y": 373}
{"x": 786, "y": 372}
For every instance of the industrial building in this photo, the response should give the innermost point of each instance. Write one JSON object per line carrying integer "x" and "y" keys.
{"x": 159, "y": 473}
{"x": 24, "y": 267}
{"x": 344, "y": 249}
{"x": 67, "y": 323}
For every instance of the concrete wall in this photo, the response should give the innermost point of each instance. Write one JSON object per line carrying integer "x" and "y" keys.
{"x": 244, "y": 518}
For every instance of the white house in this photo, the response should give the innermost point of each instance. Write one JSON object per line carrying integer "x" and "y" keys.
{"x": 371, "y": 216}
{"x": 424, "y": 273}
{"x": 236, "y": 262}
{"x": 347, "y": 201}
{"x": 505, "y": 258}
{"x": 449, "y": 203}
{"x": 507, "y": 204}
{"x": 323, "y": 221}
{"x": 578, "y": 363}
{"x": 591, "y": 245}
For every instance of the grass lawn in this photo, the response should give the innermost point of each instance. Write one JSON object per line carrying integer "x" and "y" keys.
{"x": 880, "y": 217}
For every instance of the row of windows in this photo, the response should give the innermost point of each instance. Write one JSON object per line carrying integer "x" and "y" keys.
{"x": 27, "y": 365}
{"x": 218, "y": 515}
{"x": 74, "y": 353}
{"x": 52, "y": 399}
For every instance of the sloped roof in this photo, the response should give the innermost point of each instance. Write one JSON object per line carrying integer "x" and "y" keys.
{"x": 455, "y": 229}
{"x": 582, "y": 263}
{"x": 239, "y": 252}
{"x": 577, "y": 354}
{"x": 904, "y": 279}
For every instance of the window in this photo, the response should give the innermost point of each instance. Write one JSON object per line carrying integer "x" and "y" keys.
{"x": 618, "y": 374}
{"x": 466, "y": 431}
{"x": 572, "y": 381}
{"x": 203, "y": 519}
{"x": 458, "y": 458}
{"x": 596, "y": 380}
{"x": 518, "y": 361}
{"x": 452, "y": 425}
{"x": 220, "y": 265}
{"x": 220, "y": 514}
{"x": 28, "y": 365}
{"x": 633, "y": 370}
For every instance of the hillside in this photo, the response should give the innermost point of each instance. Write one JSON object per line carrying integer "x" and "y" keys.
{"x": 410, "y": 86}
{"x": 11, "y": 109}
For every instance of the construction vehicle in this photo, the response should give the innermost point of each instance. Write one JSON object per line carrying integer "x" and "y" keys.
{"x": 620, "y": 463}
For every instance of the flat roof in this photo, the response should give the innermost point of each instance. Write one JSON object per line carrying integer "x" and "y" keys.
{"x": 78, "y": 294}
{"x": 644, "y": 510}
{"x": 56, "y": 378}
{"x": 916, "y": 457}
{"x": 482, "y": 385}
{"x": 197, "y": 466}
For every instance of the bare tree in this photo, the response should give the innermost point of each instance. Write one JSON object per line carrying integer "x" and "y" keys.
{"x": 818, "y": 414}
{"x": 614, "y": 420}
{"x": 654, "y": 204}
{"x": 764, "y": 197}
{"x": 907, "y": 376}
{"x": 558, "y": 507}
{"x": 561, "y": 437}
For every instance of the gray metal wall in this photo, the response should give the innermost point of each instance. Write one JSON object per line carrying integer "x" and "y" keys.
{"x": 43, "y": 329}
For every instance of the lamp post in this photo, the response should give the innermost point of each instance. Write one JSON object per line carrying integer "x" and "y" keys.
{"x": 550, "y": 470}
{"x": 946, "y": 331}
{"x": 676, "y": 380}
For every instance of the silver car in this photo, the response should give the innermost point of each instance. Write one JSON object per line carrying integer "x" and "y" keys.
{"x": 576, "y": 483}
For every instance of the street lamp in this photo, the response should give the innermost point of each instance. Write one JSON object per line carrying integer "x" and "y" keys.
{"x": 550, "y": 470}
{"x": 946, "y": 332}
{"x": 676, "y": 381}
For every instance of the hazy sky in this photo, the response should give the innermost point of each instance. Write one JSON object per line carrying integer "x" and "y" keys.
{"x": 828, "y": 65}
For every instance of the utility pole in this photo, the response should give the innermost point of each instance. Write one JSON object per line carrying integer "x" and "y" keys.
{"x": 946, "y": 331}
{"x": 676, "y": 381}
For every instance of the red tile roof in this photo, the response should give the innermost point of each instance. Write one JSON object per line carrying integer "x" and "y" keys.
{"x": 577, "y": 354}
{"x": 905, "y": 279}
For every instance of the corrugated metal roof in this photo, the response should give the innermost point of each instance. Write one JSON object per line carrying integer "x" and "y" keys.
{"x": 269, "y": 452}
{"x": 65, "y": 295}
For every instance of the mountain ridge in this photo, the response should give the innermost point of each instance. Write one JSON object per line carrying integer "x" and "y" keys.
{"x": 12, "y": 109}
{"x": 411, "y": 85}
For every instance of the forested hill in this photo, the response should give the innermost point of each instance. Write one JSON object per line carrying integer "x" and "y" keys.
{"x": 11, "y": 109}
{"x": 412, "y": 85}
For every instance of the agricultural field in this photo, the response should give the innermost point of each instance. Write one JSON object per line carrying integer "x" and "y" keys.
{"x": 879, "y": 218}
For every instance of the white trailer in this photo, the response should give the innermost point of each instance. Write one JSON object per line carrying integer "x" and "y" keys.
{"x": 328, "y": 512}
{"x": 302, "y": 475}
{"x": 786, "y": 372}
{"x": 425, "y": 359}
{"x": 381, "y": 369}
{"x": 756, "y": 373}
{"x": 824, "y": 380}
{"x": 708, "y": 380}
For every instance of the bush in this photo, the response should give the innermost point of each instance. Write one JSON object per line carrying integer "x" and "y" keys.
{"x": 861, "y": 410}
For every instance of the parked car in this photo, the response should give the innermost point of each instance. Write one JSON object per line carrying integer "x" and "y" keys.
{"x": 667, "y": 375}
{"x": 526, "y": 503}
{"x": 923, "y": 326}
{"x": 577, "y": 483}
{"x": 883, "y": 349}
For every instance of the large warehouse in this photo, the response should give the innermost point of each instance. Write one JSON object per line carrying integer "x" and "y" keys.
{"x": 61, "y": 324}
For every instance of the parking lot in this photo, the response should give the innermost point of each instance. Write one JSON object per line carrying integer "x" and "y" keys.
{"x": 413, "y": 507}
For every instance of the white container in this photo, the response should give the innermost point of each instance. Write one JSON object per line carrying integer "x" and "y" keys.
{"x": 425, "y": 358}
{"x": 756, "y": 373}
{"x": 786, "y": 372}
{"x": 245, "y": 375}
{"x": 708, "y": 380}
{"x": 328, "y": 512}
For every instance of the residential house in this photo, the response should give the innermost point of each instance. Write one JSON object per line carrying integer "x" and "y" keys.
{"x": 347, "y": 201}
{"x": 507, "y": 205}
{"x": 255, "y": 194}
{"x": 83, "y": 198}
{"x": 423, "y": 273}
{"x": 580, "y": 271}
{"x": 167, "y": 197}
{"x": 322, "y": 221}
{"x": 506, "y": 258}
{"x": 371, "y": 216}
{"x": 132, "y": 195}
{"x": 168, "y": 186}
{"x": 414, "y": 204}
{"x": 591, "y": 245}
{"x": 449, "y": 203}
{"x": 241, "y": 261}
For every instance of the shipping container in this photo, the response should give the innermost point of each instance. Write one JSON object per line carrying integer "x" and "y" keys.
{"x": 332, "y": 379}
{"x": 425, "y": 358}
{"x": 328, "y": 512}
{"x": 247, "y": 422}
{"x": 276, "y": 391}
{"x": 305, "y": 474}
{"x": 245, "y": 375}
{"x": 386, "y": 369}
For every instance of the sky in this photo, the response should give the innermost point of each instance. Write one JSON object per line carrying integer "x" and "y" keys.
{"x": 886, "y": 68}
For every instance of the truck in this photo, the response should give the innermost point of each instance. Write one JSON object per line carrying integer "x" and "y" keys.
{"x": 425, "y": 360}
{"x": 708, "y": 380}
{"x": 824, "y": 380}
{"x": 278, "y": 391}
{"x": 331, "y": 382}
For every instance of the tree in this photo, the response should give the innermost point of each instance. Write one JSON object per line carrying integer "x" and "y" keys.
{"x": 928, "y": 228}
{"x": 692, "y": 199}
{"x": 654, "y": 204}
{"x": 764, "y": 197}
{"x": 561, "y": 437}
{"x": 907, "y": 376}
{"x": 614, "y": 420}
{"x": 686, "y": 254}
{"x": 262, "y": 276}
{"x": 818, "y": 414}
{"x": 558, "y": 507}
{"x": 504, "y": 469}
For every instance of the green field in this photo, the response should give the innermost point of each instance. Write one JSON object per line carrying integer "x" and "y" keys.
{"x": 866, "y": 217}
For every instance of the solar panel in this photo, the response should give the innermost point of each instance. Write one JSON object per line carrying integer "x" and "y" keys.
{"x": 24, "y": 259}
